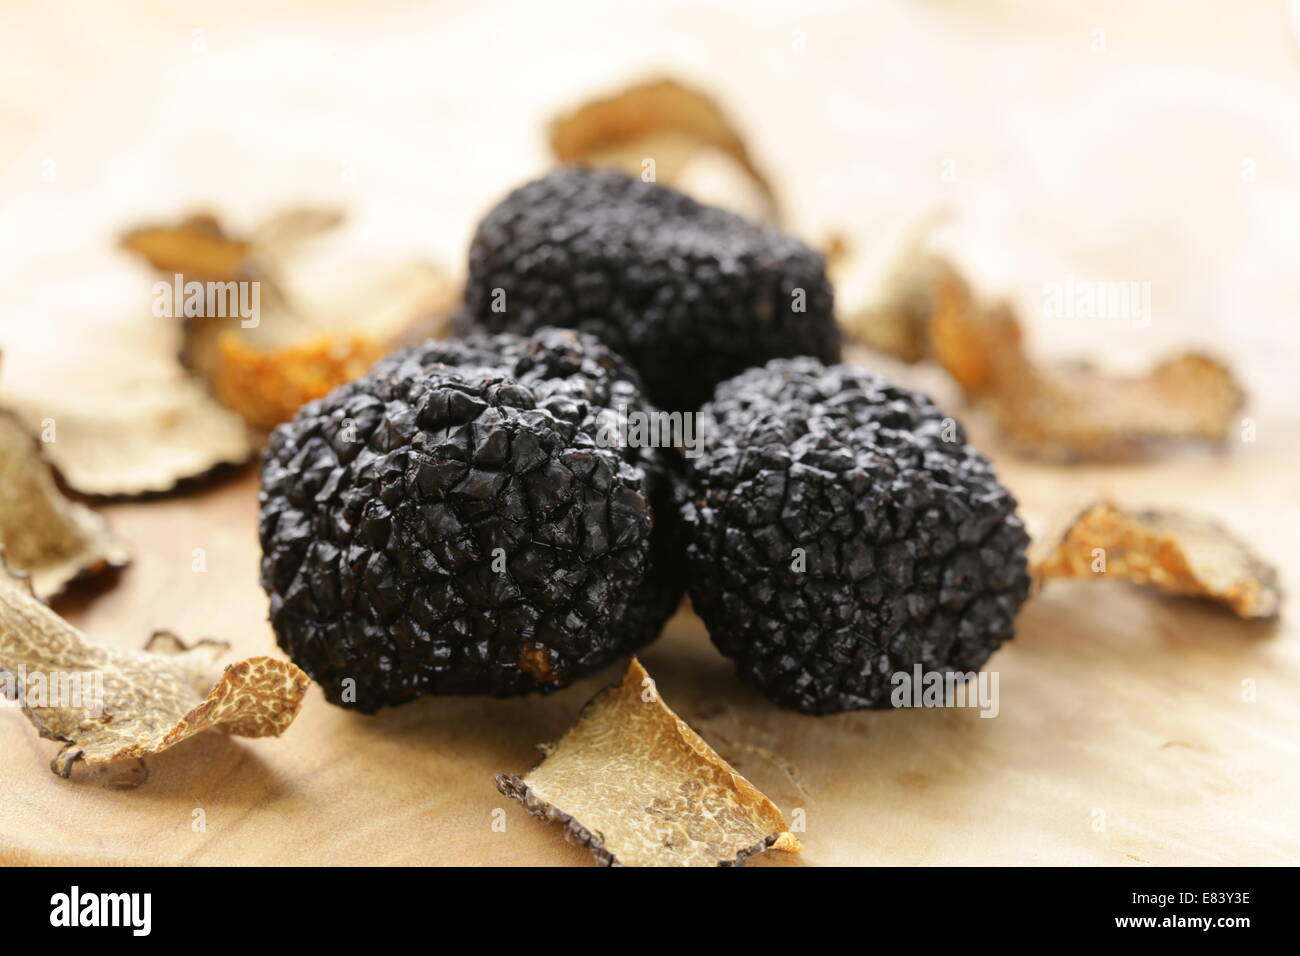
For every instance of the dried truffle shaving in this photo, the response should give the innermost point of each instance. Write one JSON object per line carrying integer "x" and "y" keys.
{"x": 283, "y": 232}
{"x": 1174, "y": 553}
{"x": 47, "y": 537}
{"x": 315, "y": 328}
{"x": 200, "y": 247}
{"x": 136, "y": 437}
{"x": 107, "y": 703}
{"x": 1059, "y": 412}
{"x": 266, "y": 388}
{"x": 902, "y": 299}
{"x": 635, "y": 785}
{"x": 663, "y": 120}
{"x": 196, "y": 246}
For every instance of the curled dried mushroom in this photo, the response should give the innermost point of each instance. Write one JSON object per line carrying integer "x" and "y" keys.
{"x": 306, "y": 331}
{"x": 44, "y": 535}
{"x": 635, "y": 785}
{"x": 1064, "y": 411}
{"x": 680, "y": 129}
{"x": 107, "y": 703}
{"x": 1175, "y": 553}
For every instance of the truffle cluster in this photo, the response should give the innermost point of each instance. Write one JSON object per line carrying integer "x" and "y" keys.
{"x": 689, "y": 294}
{"x": 840, "y": 530}
{"x": 469, "y": 518}
{"x": 453, "y": 522}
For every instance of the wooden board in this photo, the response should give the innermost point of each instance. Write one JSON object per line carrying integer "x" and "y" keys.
{"x": 1123, "y": 736}
{"x": 1115, "y": 706}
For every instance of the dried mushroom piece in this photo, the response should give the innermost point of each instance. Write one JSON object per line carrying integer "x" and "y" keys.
{"x": 134, "y": 437}
{"x": 44, "y": 535}
{"x": 281, "y": 234}
{"x": 1175, "y": 553}
{"x": 1066, "y": 411}
{"x": 635, "y": 785}
{"x": 196, "y": 246}
{"x": 333, "y": 332}
{"x": 107, "y": 703}
{"x": 200, "y": 247}
{"x": 670, "y": 123}
{"x": 900, "y": 297}
{"x": 267, "y": 387}
{"x": 306, "y": 331}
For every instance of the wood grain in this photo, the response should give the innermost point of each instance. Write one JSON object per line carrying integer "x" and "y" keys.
{"x": 1113, "y": 701}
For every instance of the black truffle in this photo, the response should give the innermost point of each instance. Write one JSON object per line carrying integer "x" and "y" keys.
{"x": 688, "y": 293}
{"x": 455, "y": 522}
{"x": 839, "y": 531}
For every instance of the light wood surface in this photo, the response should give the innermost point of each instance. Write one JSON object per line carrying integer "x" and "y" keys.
{"x": 1169, "y": 157}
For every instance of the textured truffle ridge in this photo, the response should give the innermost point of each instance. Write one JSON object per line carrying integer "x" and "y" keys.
{"x": 452, "y": 523}
{"x": 688, "y": 293}
{"x": 835, "y": 537}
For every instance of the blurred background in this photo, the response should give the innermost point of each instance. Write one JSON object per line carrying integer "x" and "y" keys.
{"x": 1155, "y": 142}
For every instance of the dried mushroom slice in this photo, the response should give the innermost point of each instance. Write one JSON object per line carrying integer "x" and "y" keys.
{"x": 1175, "y": 553}
{"x": 267, "y": 387}
{"x": 672, "y": 124}
{"x": 298, "y": 332}
{"x": 283, "y": 233}
{"x": 44, "y": 535}
{"x": 197, "y": 246}
{"x": 107, "y": 703}
{"x": 199, "y": 254}
{"x": 134, "y": 437}
{"x": 335, "y": 330}
{"x": 635, "y": 785}
{"x": 1073, "y": 412}
{"x": 200, "y": 247}
{"x": 1065, "y": 411}
{"x": 896, "y": 319}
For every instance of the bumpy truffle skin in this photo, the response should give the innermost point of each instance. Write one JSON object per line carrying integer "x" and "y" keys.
{"x": 840, "y": 530}
{"x": 688, "y": 293}
{"x": 454, "y": 523}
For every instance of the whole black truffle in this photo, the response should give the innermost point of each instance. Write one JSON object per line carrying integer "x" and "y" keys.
{"x": 455, "y": 522}
{"x": 688, "y": 293}
{"x": 839, "y": 530}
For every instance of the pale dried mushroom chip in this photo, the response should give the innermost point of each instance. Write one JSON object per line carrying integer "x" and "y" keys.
{"x": 313, "y": 322}
{"x": 896, "y": 319}
{"x": 283, "y": 233}
{"x": 635, "y": 785}
{"x": 201, "y": 248}
{"x": 266, "y": 388}
{"x": 390, "y": 302}
{"x": 44, "y": 535}
{"x": 670, "y": 123}
{"x": 337, "y": 327}
{"x": 107, "y": 703}
{"x": 1064, "y": 411}
{"x": 196, "y": 246}
{"x": 134, "y": 437}
{"x": 198, "y": 253}
{"x": 1175, "y": 553}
